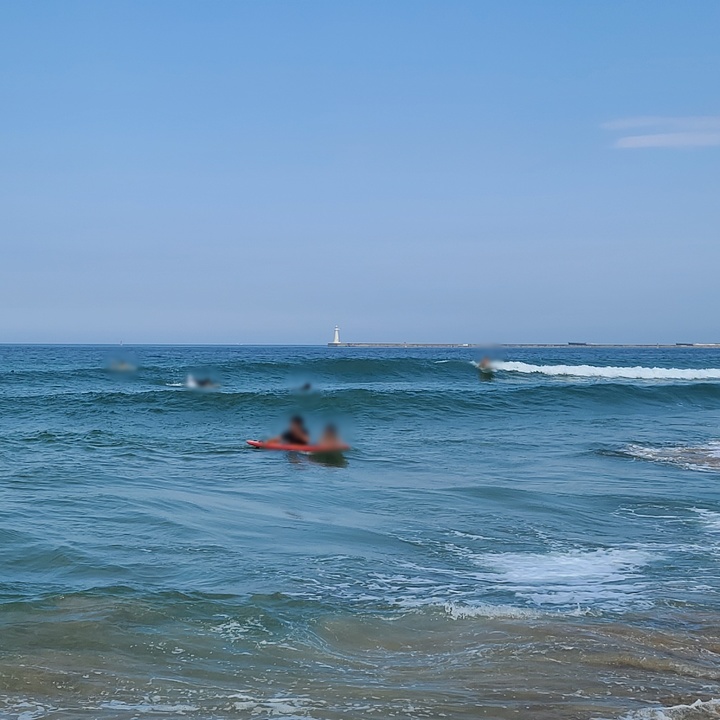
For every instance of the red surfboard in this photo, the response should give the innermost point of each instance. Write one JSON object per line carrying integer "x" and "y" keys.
{"x": 290, "y": 447}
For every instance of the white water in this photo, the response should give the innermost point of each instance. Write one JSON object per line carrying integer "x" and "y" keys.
{"x": 698, "y": 710}
{"x": 593, "y": 578}
{"x": 610, "y": 371}
{"x": 710, "y": 519}
{"x": 693, "y": 457}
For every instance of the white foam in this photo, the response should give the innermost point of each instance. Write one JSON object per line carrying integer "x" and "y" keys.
{"x": 698, "y": 457}
{"x": 461, "y": 611}
{"x": 35, "y": 711}
{"x": 287, "y": 707}
{"x": 607, "y": 578}
{"x": 22, "y": 708}
{"x": 235, "y": 630}
{"x": 710, "y": 519}
{"x": 611, "y": 372}
{"x": 148, "y": 707}
{"x": 698, "y": 710}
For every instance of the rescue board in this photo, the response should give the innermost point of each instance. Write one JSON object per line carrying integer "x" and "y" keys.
{"x": 291, "y": 447}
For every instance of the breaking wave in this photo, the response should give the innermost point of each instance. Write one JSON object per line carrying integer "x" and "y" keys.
{"x": 691, "y": 457}
{"x": 611, "y": 372}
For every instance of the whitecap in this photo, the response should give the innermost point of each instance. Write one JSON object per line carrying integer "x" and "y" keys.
{"x": 691, "y": 457}
{"x": 611, "y": 372}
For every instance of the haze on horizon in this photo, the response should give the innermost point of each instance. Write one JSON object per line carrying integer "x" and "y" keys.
{"x": 257, "y": 172}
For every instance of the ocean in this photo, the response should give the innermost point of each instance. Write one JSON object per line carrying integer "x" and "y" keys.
{"x": 543, "y": 543}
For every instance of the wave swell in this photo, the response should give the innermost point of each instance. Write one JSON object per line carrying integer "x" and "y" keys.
{"x": 612, "y": 372}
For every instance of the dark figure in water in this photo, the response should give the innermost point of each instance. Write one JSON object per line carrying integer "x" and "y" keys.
{"x": 296, "y": 434}
{"x": 487, "y": 371}
{"x": 206, "y": 383}
{"x": 203, "y": 383}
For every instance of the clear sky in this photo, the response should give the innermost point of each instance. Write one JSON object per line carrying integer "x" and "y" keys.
{"x": 475, "y": 171}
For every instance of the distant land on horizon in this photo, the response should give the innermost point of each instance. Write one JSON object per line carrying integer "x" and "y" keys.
{"x": 532, "y": 345}
{"x": 373, "y": 345}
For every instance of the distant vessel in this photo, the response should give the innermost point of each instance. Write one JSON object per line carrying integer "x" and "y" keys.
{"x": 336, "y": 342}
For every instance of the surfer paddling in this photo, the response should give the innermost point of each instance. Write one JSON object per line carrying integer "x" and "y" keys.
{"x": 296, "y": 434}
{"x": 297, "y": 438}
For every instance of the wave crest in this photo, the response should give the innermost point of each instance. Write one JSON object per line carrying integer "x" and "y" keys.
{"x": 612, "y": 372}
{"x": 690, "y": 457}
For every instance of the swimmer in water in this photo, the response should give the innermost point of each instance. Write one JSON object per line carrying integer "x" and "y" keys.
{"x": 204, "y": 383}
{"x": 330, "y": 439}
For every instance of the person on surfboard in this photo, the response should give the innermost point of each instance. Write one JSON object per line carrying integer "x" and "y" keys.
{"x": 296, "y": 434}
{"x": 296, "y": 438}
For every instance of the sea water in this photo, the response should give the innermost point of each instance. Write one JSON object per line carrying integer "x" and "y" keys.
{"x": 543, "y": 543}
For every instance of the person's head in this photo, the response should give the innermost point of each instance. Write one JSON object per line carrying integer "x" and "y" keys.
{"x": 331, "y": 431}
{"x": 297, "y": 422}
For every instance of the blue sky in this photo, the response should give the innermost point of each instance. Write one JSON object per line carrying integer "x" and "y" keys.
{"x": 414, "y": 171}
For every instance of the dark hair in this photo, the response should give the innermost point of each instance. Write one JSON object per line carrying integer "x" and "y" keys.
{"x": 297, "y": 420}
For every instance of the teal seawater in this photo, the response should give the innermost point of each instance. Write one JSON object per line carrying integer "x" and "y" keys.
{"x": 544, "y": 543}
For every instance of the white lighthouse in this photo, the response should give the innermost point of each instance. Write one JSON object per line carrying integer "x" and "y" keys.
{"x": 336, "y": 337}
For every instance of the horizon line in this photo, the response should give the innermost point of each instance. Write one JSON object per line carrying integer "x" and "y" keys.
{"x": 374, "y": 345}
